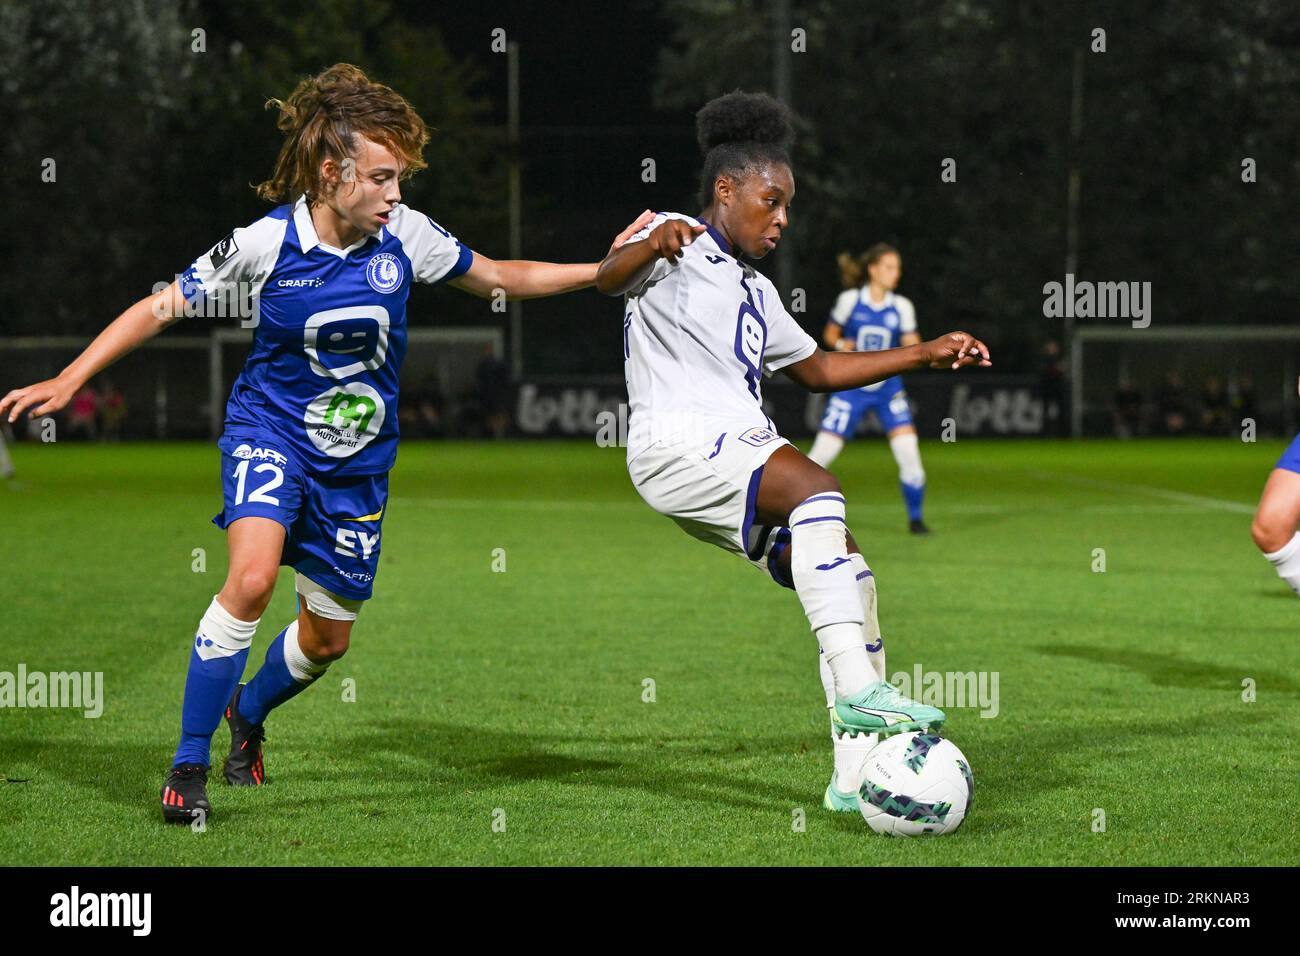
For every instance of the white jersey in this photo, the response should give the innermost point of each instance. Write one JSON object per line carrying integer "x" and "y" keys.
{"x": 698, "y": 338}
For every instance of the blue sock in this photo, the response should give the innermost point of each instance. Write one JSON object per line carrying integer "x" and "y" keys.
{"x": 213, "y": 676}
{"x": 913, "y": 495}
{"x": 272, "y": 685}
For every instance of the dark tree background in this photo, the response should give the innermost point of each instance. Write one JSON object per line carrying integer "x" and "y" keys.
{"x": 157, "y": 145}
{"x": 885, "y": 91}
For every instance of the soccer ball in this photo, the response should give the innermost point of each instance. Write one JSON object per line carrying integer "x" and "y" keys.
{"x": 916, "y": 783}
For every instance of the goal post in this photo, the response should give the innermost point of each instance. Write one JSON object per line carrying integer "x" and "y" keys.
{"x": 444, "y": 358}
{"x": 161, "y": 382}
{"x": 1261, "y": 358}
{"x": 176, "y": 386}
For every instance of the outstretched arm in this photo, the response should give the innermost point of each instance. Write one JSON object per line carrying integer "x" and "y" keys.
{"x": 524, "y": 279}
{"x": 838, "y": 371}
{"x": 136, "y": 325}
{"x": 627, "y": 267}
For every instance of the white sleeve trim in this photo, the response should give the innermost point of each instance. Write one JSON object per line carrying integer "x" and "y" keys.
{"x": 433, "y": 251}
{"x": 799, "y": 356}
{"x": 247, "y": 256}
{"x": 843, "y": 306}
{"x": 906, "y": 314}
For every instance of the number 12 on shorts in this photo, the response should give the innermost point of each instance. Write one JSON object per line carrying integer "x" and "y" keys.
{"x": 259, "y": 494}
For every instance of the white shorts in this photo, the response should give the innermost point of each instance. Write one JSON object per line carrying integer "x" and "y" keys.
{"x": 711, "y": 491}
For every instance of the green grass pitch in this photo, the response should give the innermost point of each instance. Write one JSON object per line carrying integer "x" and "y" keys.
{"x": 517, "y": 697}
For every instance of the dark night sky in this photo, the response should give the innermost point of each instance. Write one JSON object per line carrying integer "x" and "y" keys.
{"x": 569, "y": 53}
{"x": 585, "y": 132}
{"x": 585, "y": 135}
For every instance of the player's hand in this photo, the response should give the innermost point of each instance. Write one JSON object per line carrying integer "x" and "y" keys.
{"x": 672, "y": 237}
{"x": 630, "y": 231}
{"x": 955, "y": 350}
{"x": 42, "y": 398}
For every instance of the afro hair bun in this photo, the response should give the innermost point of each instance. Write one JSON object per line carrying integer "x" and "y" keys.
{"x": 740, "y": 117}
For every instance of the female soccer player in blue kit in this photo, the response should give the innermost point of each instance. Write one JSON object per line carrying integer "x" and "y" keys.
{"x": 868, "y": 316}
{"x": 311, "y": 424}
{"x": 1278, "y": 515}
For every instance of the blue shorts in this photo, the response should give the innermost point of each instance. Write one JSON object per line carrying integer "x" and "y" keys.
{"x": 845, "y": 410}
{"x": 331, "y": 523}
{"x": 1290, "y": 459}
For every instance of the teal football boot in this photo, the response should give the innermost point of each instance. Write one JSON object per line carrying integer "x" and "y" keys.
{"x": 851, "y": 753}
{"x": 837, "y": 800}
{"x": 880, "y": 708}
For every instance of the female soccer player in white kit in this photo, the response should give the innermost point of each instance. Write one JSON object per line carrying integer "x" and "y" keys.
{"x": 701, "y": 329}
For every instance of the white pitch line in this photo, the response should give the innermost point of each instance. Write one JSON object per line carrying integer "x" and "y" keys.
{"x": 522, "y": 504}
{"x": 1182, "y": 497}
{"x": 518, "y": 504}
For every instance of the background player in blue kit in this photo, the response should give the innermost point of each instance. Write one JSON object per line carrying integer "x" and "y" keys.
{"x": 1278, "y": 515}
{"x": 311, "y": 424}
{"x": 869, "y": 316}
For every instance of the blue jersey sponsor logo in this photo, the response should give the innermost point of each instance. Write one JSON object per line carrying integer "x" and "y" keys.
{"x": 873, "y": 329}
{"x": 323, "y": 370}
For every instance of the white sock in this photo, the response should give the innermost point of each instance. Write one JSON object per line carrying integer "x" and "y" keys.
{"x": 850, "y": 757}
{"x": 849, "y": 751}
{"x": 221, "y": 634}
{"x": 846, "y": 657}
{"x": 825, "y": 581}
{"x": 301, "y": 668}
{"x": 1287, "y": 561}
{"x": 875, "y": 644}
{"x": 907, "y": 452}
{"x": 828, "y": 679}
{"x": 826, "y": 447}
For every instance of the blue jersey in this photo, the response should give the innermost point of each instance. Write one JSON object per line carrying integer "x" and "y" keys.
{"x": 873, "y": 326}
{"x": 330, "y": 330}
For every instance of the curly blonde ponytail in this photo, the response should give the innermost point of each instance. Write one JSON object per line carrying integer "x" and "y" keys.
{"x": 322, "y": 118}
